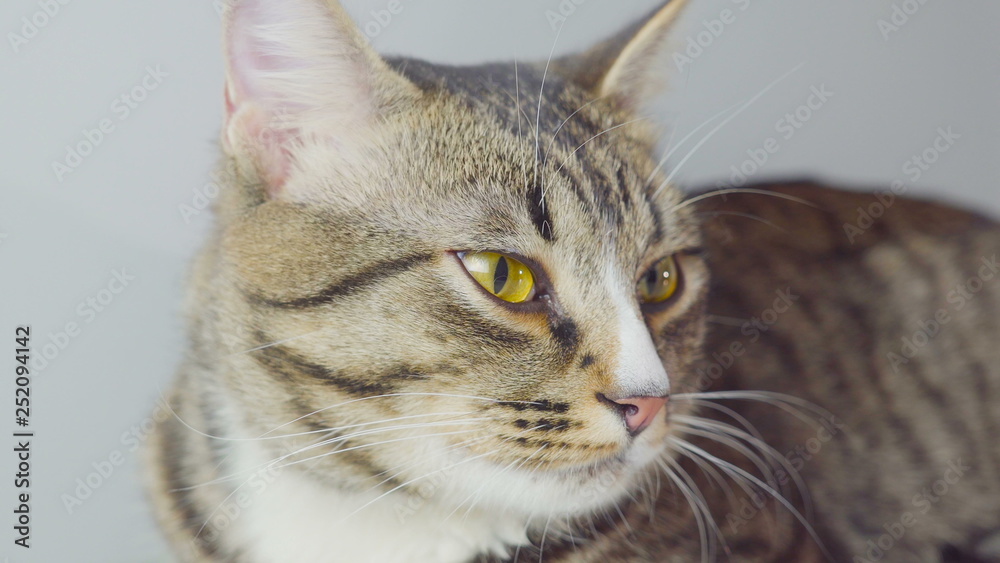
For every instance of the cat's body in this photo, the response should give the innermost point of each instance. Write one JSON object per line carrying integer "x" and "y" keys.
{"x": 829, "y": 315}
{"x": 351, "y": 394}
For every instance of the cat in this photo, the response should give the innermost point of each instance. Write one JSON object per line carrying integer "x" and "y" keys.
{"x": 456, "y": 314}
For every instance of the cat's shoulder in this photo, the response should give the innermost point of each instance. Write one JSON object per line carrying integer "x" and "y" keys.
{"x": 817, "y": 217}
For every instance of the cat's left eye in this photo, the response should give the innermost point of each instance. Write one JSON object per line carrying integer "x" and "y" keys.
{"x": 660, "y": 281}
{"x": 502, "y": 276}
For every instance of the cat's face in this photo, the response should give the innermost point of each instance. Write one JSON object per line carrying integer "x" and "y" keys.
{"x": 370, "y": 273}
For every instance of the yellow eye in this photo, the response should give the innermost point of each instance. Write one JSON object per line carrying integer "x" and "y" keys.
{"x": 501, "y": 275}
{"x": 660, "y": 282}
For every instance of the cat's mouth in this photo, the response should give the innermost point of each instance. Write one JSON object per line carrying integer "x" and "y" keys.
{"x": 597, "y": 468}
{"x": 634, "y": 455}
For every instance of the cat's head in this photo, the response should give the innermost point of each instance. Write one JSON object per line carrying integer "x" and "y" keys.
{"x": 470, "y": 273}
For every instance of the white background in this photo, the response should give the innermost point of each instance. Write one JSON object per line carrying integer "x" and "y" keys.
{"x": 120, "y": 208}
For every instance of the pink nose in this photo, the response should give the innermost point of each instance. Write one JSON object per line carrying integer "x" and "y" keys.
{"x": 639, "y": 412}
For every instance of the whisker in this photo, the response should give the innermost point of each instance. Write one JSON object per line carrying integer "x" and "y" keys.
{"x": 709, "y": 518}
{"x": 411, "y": 481}
{"x": 727, "y": 191}
{"x": 670, "y": 150}
{"x": 548, "y": 148}
{"x": 745, "y": 485}
{"x": 726, "y": 466}
{"x": 735, "y": 416}
{"x": 413, "y": 462}
{"x": 519, "y": 112}
{"x": 355, "y": 435}
{"x": 275, "y": 343}
{"x": 750, "y": 102}
{"x": 456, "y": 446}
{"x": 608, "y": 130}
{"x": 712, "y": 473}
{"x": 493, "y": 476}
{"x": 323, "y": 442}
{"x": 779, "y": 400}
{"x": 406, "y": 394}
{"x": 770, "y": 452}
{"x": 541, "y": 545}
{"x": 340, "y": 428}
{"x": 372, "y": 445}
{"x": 766, "y": 469}
{"x": 538, "y": 110}
{"x": 696, "y": 509}
{"x": 746, "y": 216}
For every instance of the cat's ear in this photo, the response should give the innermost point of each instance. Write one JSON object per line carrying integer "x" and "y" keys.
{"x": 300, "y": 72}
{"x": 631, "y": 67}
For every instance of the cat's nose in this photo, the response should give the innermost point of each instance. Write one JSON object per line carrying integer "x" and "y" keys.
{"x": 638, "y": 412}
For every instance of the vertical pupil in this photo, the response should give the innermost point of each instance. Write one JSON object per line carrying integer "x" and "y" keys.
{"x": 500, "y": 276}
{"x": 652, "y": 279}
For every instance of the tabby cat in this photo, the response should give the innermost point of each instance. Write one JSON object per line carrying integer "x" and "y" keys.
{"x": 457, "y": 314}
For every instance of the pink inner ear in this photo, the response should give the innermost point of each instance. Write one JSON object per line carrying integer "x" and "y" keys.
{"x": 252, "y": 111}
{"x": 230, "y": 105}
{"x": 256, "y": 52}
{"x": 297, "y": 73}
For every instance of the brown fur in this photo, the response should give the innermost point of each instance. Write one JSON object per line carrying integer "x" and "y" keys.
{"x": 336, "y": 284}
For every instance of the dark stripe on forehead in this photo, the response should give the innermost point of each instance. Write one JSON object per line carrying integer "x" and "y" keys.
{"x": 498, "y": 88}
{"x": 539, "y": 213}
{"x": 603, "y": 188}
{"x": 568, "y": 174}
{"x": 623, "y": 185}
{"x": 349, "y": 285}
{"x": 657, "y": 220}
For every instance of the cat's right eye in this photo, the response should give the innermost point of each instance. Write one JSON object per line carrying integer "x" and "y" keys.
{"x": 502, "y": 276}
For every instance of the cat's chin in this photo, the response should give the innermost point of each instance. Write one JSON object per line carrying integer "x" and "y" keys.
{"x": 570, "y": 490}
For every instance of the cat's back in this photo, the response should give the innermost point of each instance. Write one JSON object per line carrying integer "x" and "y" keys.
{"x": 884, "y": 311}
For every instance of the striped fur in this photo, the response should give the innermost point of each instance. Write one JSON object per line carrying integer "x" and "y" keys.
{"x": 351, "y": 394}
